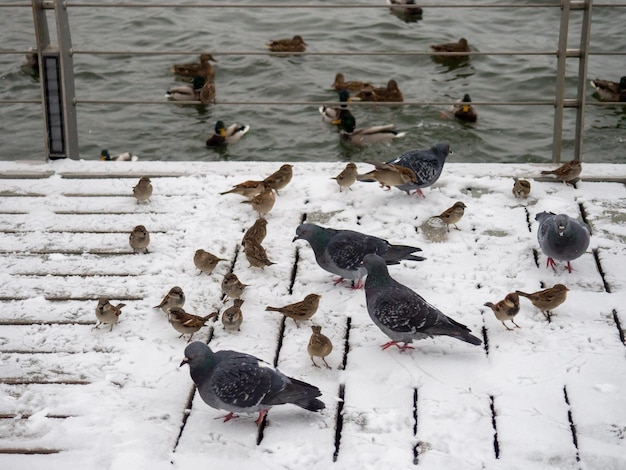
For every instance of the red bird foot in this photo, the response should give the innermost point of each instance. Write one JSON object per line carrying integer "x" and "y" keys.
{"x": 552, "y": 264}
{"x": 402, "y": 348}
{"x": 228, "y": 417}
{"x": 418, "y": 192}
{"x": 262, "y": 414}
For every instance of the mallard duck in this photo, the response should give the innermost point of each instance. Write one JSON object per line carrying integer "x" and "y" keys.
{"x": 367, "y": 135}
{"x": 389, "y": 93}
{"x": 122, "y": 157}
{"x": 610, "y": 91}
{"x": 341, "y": 84}
{"x": 187, "y": 92}
{"x": 226, "y": 135}
{"x": 194, "y": 69}
{"x": 30, "y": 64}
{"x": 460, "y": 46}
{"x": 334, "y": 115}
{"x": 296, "y": 44}
{"x": 463, "y": 110}
{"x": 405, "y": 9}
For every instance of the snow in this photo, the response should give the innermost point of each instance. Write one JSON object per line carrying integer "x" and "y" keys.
{"x": 118, "y": 399}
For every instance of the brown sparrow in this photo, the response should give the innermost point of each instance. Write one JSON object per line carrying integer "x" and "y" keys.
{"x": 568, "y": 172}
{"x": 453, "y": 214}
{"x": 187, "y": 323}
{"x": 258, "y": 231}
{"x": 248, "y": 188}
{"x": 521, "y": 188}
{"x": 547, "y": 299}
{"x": 262, "y": 202}
{"x": 206, "y": 261}
{"x": 388, "y": 175}
{"x": 256, "y": 254}
{"x": 174, "y": 298}
{"x": 347, "y": 177}
{"x": 302, "y": 310}
{"x": 139, "y": 239}
{"x": 232, "y": 317}
{"x": 506, "y": 309}
{"x": 143, "y": 189}
{"x": 108, "y": 314}
{"x": 280, "y": 178}
{"x": 319, "y": 345}
{"x": 232, "y": 287}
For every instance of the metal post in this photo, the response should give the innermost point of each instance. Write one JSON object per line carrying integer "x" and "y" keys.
{"x": 560, "y": 82}
{"x": 582, "y": 80}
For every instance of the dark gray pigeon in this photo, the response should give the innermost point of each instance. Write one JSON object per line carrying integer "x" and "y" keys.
{"x": 341, "y": 252}
{"x": 241, "y": 383}
{"x": 403, "y": 314}
{"x": 561, "y": 238}
{"x": 426, "y": 164}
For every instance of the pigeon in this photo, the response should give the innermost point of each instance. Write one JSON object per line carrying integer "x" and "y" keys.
{"x": 403, "y": 314}
{"x": 506, "y": 309}
{"x": 341, "y": 252}
{"x": 319, "y": 345}
{"x": 561, "y": 238}
{"x": 568, "y": 172}
{"x": 547, "y": 299}
{"x": 241, "y": 383}
{"x": 427, "y": 165}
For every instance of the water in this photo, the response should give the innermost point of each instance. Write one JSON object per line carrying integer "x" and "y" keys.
{"x": 295, "y": 132}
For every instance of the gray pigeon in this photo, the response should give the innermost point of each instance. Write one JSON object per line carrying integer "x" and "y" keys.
{"x": 341, "y": 252}
{"x": 426, "y": 164}
{"x": 241, "y": 383}
{"x": 403, "y": 314}
{"x": 561, "y": 238}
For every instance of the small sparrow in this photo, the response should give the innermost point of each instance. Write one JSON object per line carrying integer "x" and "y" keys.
{"x": 453, "y": 214}
{"x": 506, "y": 309}
{"x": 174, "y": 298}
{"x": 248, "y": 188}
{"x": 206, "y": 261}
{"x": 280, "y": 178}
{"x": 319, "y": 345}
{"x": 262, "y": 202}
{"x": 521, "y": 188}
{"x": 256, "y": 254}
{"x": 388, "y": 175}
{"x": 232, "y": 287}
{"x": 143, "y": 189}
{"x": 568, "y": 172}
{"x": 108, "y": 314}
{"x": 232, "y": 318}
{"x": 139, "y": 239}
{"x": 547, "y": 299}
{"x": 258, "y": 231}
{"x": 187, "y": 323}
{"x": 302, "y": 310}
{"x": 347, "y": 177}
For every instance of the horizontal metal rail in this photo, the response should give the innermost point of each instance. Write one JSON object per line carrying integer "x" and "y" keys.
{"x": 303, "y": 6}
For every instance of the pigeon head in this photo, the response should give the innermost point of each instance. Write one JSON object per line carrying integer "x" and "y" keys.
{"x": 314, "y": 234}
{"x": 377, "y": 271}
{"x": 443, "y": 149}
{"x": 199, "y": 357}
{"x": 561, "y": 222}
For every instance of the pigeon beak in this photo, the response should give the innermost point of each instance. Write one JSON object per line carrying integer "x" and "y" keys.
{"x": 183, "y": 362}
{"x": 561, "y": 228}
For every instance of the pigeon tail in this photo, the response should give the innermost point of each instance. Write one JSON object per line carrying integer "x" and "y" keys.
{"x": 303, "y": 395}
{"x": 396, "y": 253}
{"x": 455, "y": 330}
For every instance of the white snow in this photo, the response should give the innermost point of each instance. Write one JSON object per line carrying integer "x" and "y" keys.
{"x": 117, "y": 400}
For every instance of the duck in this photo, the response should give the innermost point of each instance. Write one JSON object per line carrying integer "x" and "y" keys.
{"x": 406, "y": 10}
{"x": 187, "y": 92}
{"x": 367, "y": 135}
{"x": 122, "y": 157}
{"x": 610, "y": 91}
{"x": 390, "y": 93}
{"x": 461, "y": 46}
{"x": 295, "y": 44}
{"x": 463, "y": 110}
{"x": 335, "y": 115}
{"x": 341, "y": 84}
{"x": 194, "y": 69}
{"x": 226, "y": 135}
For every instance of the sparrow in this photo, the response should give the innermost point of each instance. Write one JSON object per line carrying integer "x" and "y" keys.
{"x": 143, "y": 189}
{"x": 187, "y": 323}
{"x": 232, "y": 287}
{"x": 108, "y": 314}
{"x": 302, "y": 310}
{"x": 262, "y": 202}
{"x": 506, "y": 309}
{"x": 388, "y": 175}
{"x": 521, "y": 188}
{"x": 453, "y": 214}
{"x": 256, "y": 254}
{"x": 568, "y": 172}
{"x": 248, "y": 188}
{"x": 258, "y": 231}
{"x": 347, "y": 177}
{"x": 139, "y": 239}
{"x": 319, "y": 345}
{"x": 206, "y": 261}
{"x": 547, "y": 299}
{"x": 280, "y": 178}
{"x": 174, "y": 298}
{"x": 232, "y": 318}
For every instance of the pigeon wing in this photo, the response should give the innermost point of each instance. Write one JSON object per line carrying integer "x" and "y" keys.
{"x": 348, "y": 248}
{"x": 242, "y": 380}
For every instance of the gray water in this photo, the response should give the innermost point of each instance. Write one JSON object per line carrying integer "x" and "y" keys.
{"x": 296, "y": 132}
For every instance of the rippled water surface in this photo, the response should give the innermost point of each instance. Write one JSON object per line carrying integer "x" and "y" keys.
{"x": 295, "y": 132}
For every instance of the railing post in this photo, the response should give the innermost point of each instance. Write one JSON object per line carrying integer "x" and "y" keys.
{"x": 582, "y": 80}
{"x": 559, "y": 102}
{"x": 56, "y": 72}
